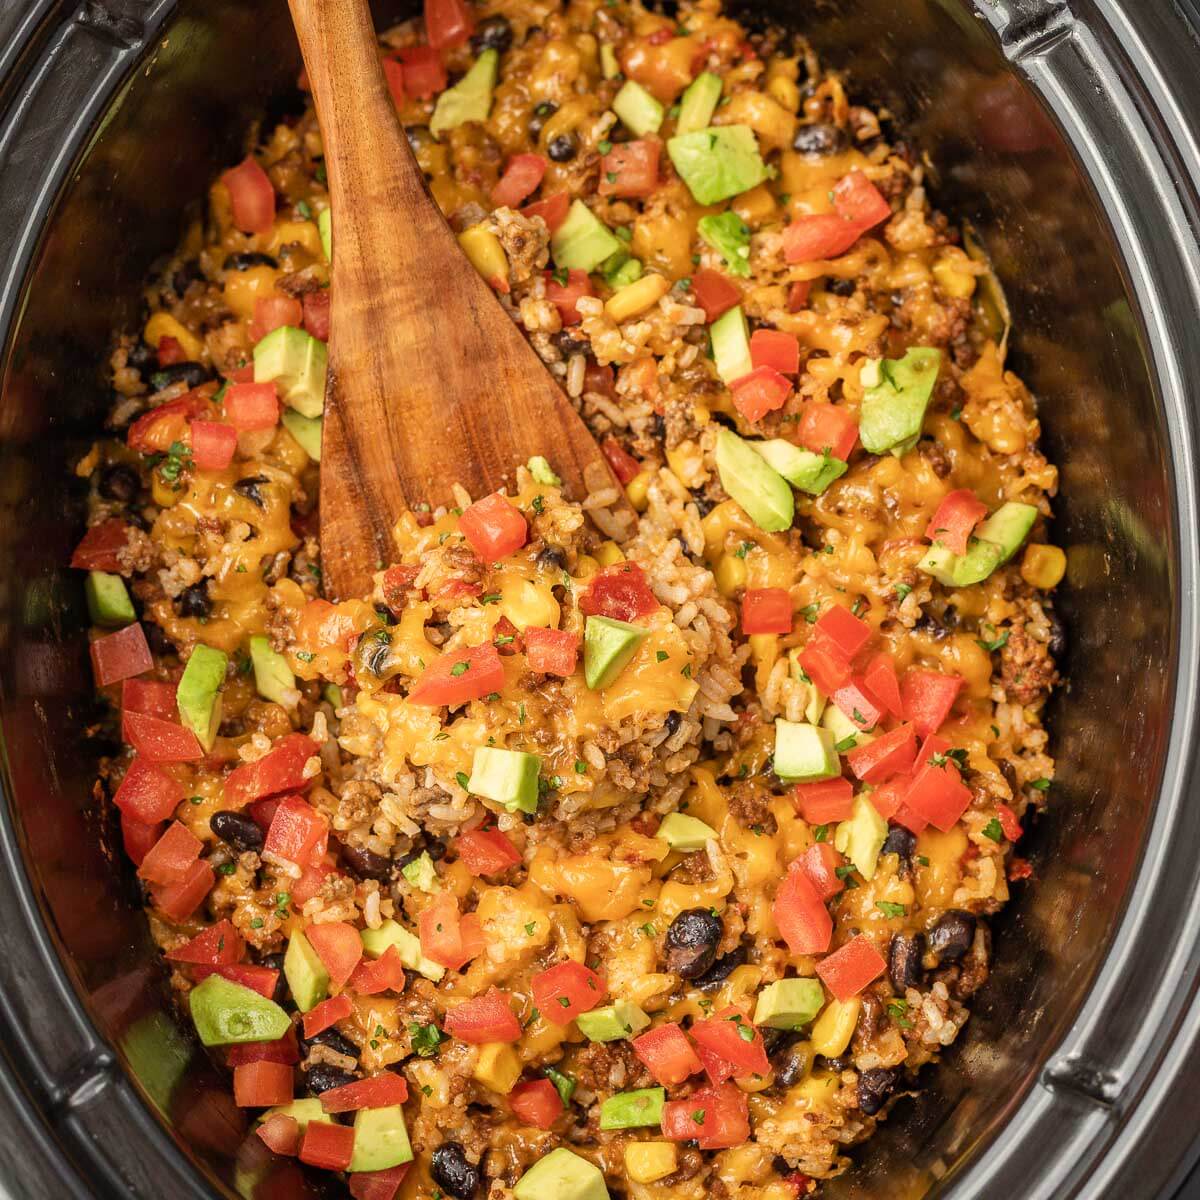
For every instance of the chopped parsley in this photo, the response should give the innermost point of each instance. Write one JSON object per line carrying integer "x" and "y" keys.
{"x": 1042, "y": 785}
{"x": 994, "y": 830}
{"x": 426, "y": 1039}
{"x": 847, "y": 743}
{"x": 530, "y": 926}
{"x": 902, "y": 590}
{"x": 463, "y": 780}
{"x": 580, "y": 767}
{"x": 563, "y": 1084}
{"x": 561, "y": 276}
{"x": 897, "y": 1010}
{"x": 539, "y": 503}
{"x": 846, "y": 874}
{"x": 604, "y": 147}
{"x": 460, "y": 668}
{"x": 996, "y": 643}
{"x": 820, "y": 833}
{"x": 178, "y": 460}
{"x": 491, "y": 598}
{"x": 304, "y": 210}
{"x": 698, "y": 1116}
{"x": 810, "y": 612}
{"x": 661, "y": 656}
{"x": 743, "y": 549}
{"x": 891, "y": 910}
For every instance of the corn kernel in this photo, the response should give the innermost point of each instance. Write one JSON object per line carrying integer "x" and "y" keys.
{"x": 586, "y": 566}
{"x": 819, "y": 1090}
{"x": 835, "y": 1026}
{"x": 955, "y": 274}
{"x": 302, "y": 233}
{"x": 637, "y": 490}
{"x": 609, "y": 553}
{"x": 647, "y": 1161}
{"x": 486, "y": 253}
{"x": 497, "y": 1067}
{"x": 163, "y": 325}
{"x": 243, "y": 288}
{"x": 730, "y": 574}
{"x": 1043, "y": 566}
{"x": 637, "y": 297}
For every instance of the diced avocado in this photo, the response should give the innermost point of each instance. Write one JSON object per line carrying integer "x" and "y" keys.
{"x": 542, "y": 472}
{"x": 421, "y": 873}
{"x": 562, "y": 1175}
{"x": 325, "y": 229}
{"x": 108, "y": 600}
{"x": 582, "y": 242}
{"x": 301, "y": 1111}
{"x": 639, "y": 110}
{"x": 729, "y": 235}
{"x": 811, "y": 473}
{"x": 376, "y": 943}
{"x": 306, "y": 430}
{"x": 1007, "y": 528}
{"x": 789, "y": 1003}
{"x": 861, "y": 838}
{"x": 994, "y": 543}
{"x": 199, "y": 694}
{"x": 731, "y": 345}
{"x": 762, "y": 492}
{"x": 698, "y": 103}
{"x": 609, "y": 67}
{"x": 297, "y": 362}
{"x": 380, "y": 1139}
{"x": 509, "y": 777}
{"x": 804, "y": 752}
{"x": 608, "y": 647}
{"x": 629, "y": 1110}
{"x": 612, "y": 1022}
{"x": 305, "y": 973}
{"x": 718, "y": 162}
{"x": 621, "y": 269}
{"x": 225, "y": 1014}
{"x": 647, "y": 1162}
{"x": 844, "y": 729}
{"x": 893, "y": 407}
{"x": 685, "y": 833}
{"x": 470, "y": 99}
{"x": 273, "y": 678}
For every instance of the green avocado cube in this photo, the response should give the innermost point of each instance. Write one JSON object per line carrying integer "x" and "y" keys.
{"x": 305, "y": 973}
{"x": 621, "y": 269}
{"x": 698, "y": 103}
{"x": 380, "y": 1139}
{"x": 608, "y": 647}
{"x": 301, "y": 1111}
{"x": 421, "y": 873}
{"x": 295, "y": 361}
{"x": 325, "y": 229}
{"x": 994, "y": 543}
{"x": 226, "y": 1014}
{"x": 809, "y": 472}
{"x": 612, "y": 1022}
{"x": 730, "y": 339}
{"x": 789, "y": 1003}
{"x": 562, "y": 1175}
{"x": 199, "y": 695}
{"x": 804, "y": 753}
{"x": 306, "y": 430}
{"x": 108, "y": 600}
{"x": 629, "y": 1110}
{"x": 542, "y": 471}
{"x": 273, "y": 678}
{"x": 1007, "y": 528}
{"x": 861, "y": 838}
{"x": 893, "y": 406}
{"x": 729, "y": 235}
{"x": 582, "y": 242}
{"x": 685, "y": 833}
{"x": 509, "y": 777}
{"x": 376, "y": 943}
{"x": 762, "y": 492}
{"x": 640, "y": 112}
{"x": 718, "y": 163}
{"x": 470, "y": 99}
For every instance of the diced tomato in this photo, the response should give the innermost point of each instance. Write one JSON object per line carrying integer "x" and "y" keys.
{"x": 731, "y": 1035}
{"x": 312, "y": 879}
{"x": 337, "y": 944}
{"x": 327, "y": 1145}
{"x": 250, "y": 406}
{"x": 888, "y": 799}
{"x": 824, "y": 667}
{"x": 252, "y": 196}
{"x": 625, "y": 467}
{"x": 138, "y": 838}
{"x": 1009, "y": 823}
{"x": 147, "y": 795}
{"x": 282, "y": 770}
{"x": 274, "y": 311}
{"x": 762, "y": 391}
{"x": 801, "y": 916}
{"x": 213, "y": 445}
{"x": 161, "y": 741}
{"x": 495, "y": 527}
{"x": 120, "y": 655}
{"x": 667, "y": 1054}
{"x": 154, "y": 432}
{"x": 150, "y": 696}
{"x": 817, "y": 237}
{"x": 620, "y": 592}
{"x": 849, "y": 969}
{"x": 327, "y": 1013}
{"x": 715, "y": 1067}
{"x": 380, "y": 1091}
{"x": 393, "y": 73}
{"x": 957, "y": 515}
{"x": 281, "y": 1134}
{"x": 551, "y": 651}
{"x": 766, "y": 610}
{"x": 536, "y": 1103}
{"x": 828, "y": 429}
{"x": 170, "y": 351}
{"x": 262, "y": 1085}
{"x": 424, "y": 72}
{"x": 564, "y": 296}
{"x": 171, "y": 857}
{"x": 440, "y": 927}
{"x": 487, "y": 1018}
{"x": 565, "y": 990}
{"x": 842, "y": 632}
{"x": 179, "y": 900}
{"x": 820, "y": 863}
{"x": 880, "y": 678}
{"x": 890, "y": 754}
{"x": 859, "y": 201}
{"x": 282, "y": 1050}
{"x": 938, "y": 794}
{"x": 243, "y": 374}
{"x": 552, "y": 210}
{"x": 486, "y": 851}
{"x": 316, "y": 314}
{"x": 520, "y": 180}
{"x": 447, "y": 681}
{"x": 630, "y": 170}
{"x": 798, "y": 295}
{"x": 775, "y": 349}
{"x": 447, "y": 23}
{"x": 714, "y": 292}
{"x": 262, "y": 980}
{"x": 99, "y": 548}
{"x": 378, "y": 1185}
{"x": 385, "y": 974}
{"x": 824, "y": 802}
{"x": 298, "y": 832}
{"x": 217, "y": 945}
{"x": 928, "y": 696}
{"x": 717, "y": 1118}
{"x": 856, "y": 703}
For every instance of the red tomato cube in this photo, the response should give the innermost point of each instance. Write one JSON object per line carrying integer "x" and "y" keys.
{"x": 552, "y": 210}
{"x": 380, "y": 1091}
{"x": 155, "y": 431}
{"x": 891, "y": 754}
{"x": 486, "y": 851}
{"x": 620, "y": 592}
{"x": 824, "y": 802}
{"x": 828, "y": 429}
{"x": 250, "y": 406}
{"x": 551, "y": 651}
{"x": 667, "y": 1054}
{"x": 274, "y": 311}
{"x": 447, "y": 23}
{"x": 1010, "y": 824}
{"x": 937, "y": 794}
{"x": 460, "y": 676}
{"x": 148, "y": 795}
{"x": 161, "y": 741}
{"x": 138, "y": 838}
{"x": 251, "y": 195}
{"x": 326, "y": 1014}
{"x": 564, "y": 296}
{"x": 316, "y": 314}
{"x": 495, "y": 527}
{"x": 487, "y": 1018}
{"x": 849, "y": 969}
{"x": 280, "y": 1134}
{"x": 880, "y": 678}
{"x": 298, "y": 832}
{"x": 775, "y": 349}
{"x": 520, "y": 180}
{"x": 818, "y": 237}
{"x": 179, "y": 900}
{"x": 820, "y": 863}
{"x": 172, "y": 856}
{"x": 120, "y": 655}
{"x": 213, "y": 445}
{"x": 424, "y": 73}
{"x": 763, "y": 391}
{"x": 825, "y": 668}
{"x": 327, "y": 1145}
{"x": 766, "y": 610}
{"x": 282, "y": 770}
{"x": 149, "y": 696}
{"x": 957, "y": 515}
{"x": 378, "y": 1185}
{"x": 856, "y": 703}
{"x": 262, "y": 1085}
{"x": 385, "y": 974}
{"x": 927, "y": 697}
{"x": 262, "y": 980}
{"x": 393, "y": 73}
{"x": 536, "y": 1103}
{"x": 624, "y": 466}
{"x": 337, "y": 944}
{"x": 717, "y": 1118}
{"x": 99, "y": 549}
{"x": 565, "y": 990}
{"x": 714, "y": 292}
{"x": 840, "y": 631}
{"x": 216, "y": 946}
{"x": 801, "y": 916}
{"x": 630, "y": 170}
{"x": 857, "y": 200}
{"x": 731, "y": 1036}
{"x": 282, "y": 1050}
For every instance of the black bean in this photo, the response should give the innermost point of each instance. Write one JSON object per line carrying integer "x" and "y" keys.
{"x": 194, "y": 602}
{"x": 552, "y": 558}
{"x": 791, "y": 1063}
{"x": 237, "y": 830}
{"x": 120, "y": 481}
{"x": 366, "y": 864}
{"x": 541, "y": 114}
{"x": 952, "y": 936}
{"x": 720, "y": 971}
{"x": 331, "y": 1038}
{"x": 563, "y": 148}
{"x": 673, "y": 721}
{"x": 158, "y": 641}
{"x": 822, "y": 139}
{"x": 321, "y": 1077}
{"x": 841, "y": 287}
{"x": 900, "y": 841}
{"x": 191, "y": 373}
{"x": 904, "y": 961}
{"x": 250, "y": 488}
{"x": 1010, "y": 775}
{"x": 703, "y": 504}
{"x": 248, "y": 259}
{"x": 874, "y": 1087}
{"x": 492, "y": 33}
{"x": 453, "y": 1173}
{"x": 188, "y": 273}
{"x": 568, "y": 345}
{"x": 838, "y": 1065}
{"x": 142, "y": 358}
{"x": 692, "y": 942}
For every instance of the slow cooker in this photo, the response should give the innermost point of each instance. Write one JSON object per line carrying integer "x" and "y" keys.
{"x": 1062, "y": 131}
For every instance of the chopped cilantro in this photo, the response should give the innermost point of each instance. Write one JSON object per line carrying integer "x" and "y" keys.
{"x": 463, "y": 780}
{"x": 426, "y": 1039}
{"x": 902, "y": 590}
{"x": 460, "y": 668}
{"x": 1042, "y": 785}
{"x": 994, "y": 830}
{"x": 820, "y": 833}
{"x": 847, "y": 743}
{"x": 891, "y": 910}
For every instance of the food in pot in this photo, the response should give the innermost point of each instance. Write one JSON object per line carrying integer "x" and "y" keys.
{"x": 584, "y": 854}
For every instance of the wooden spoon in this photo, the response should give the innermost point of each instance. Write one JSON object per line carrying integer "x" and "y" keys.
{"x": 430, "y": 380}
